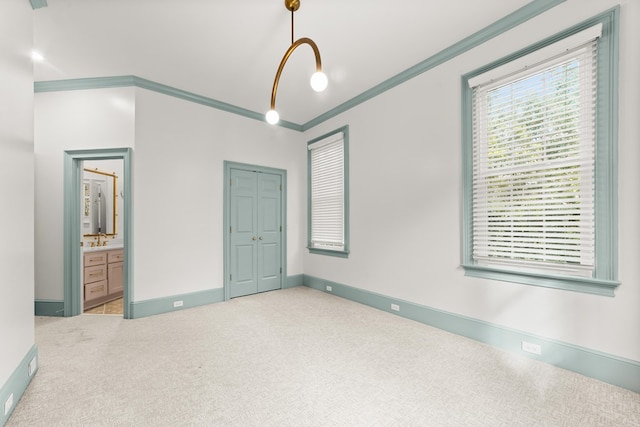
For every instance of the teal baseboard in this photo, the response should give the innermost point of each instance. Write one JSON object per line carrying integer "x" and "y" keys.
{"x": 18, "y": 383}
{"x": 154, "y": 306}
{"x": 159, "y": 305}
{"x": 295, "y": 280}
{"x": 164, "y": 305}
{"x": 49, "y": 308}
{"x": 611, "y": 369}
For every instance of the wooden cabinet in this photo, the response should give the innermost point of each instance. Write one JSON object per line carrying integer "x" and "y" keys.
{"x": 95, "y": 258}
{"x": 103, "y": 276}
{"x": 115, "y": 271}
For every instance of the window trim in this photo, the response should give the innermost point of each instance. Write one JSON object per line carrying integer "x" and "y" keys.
{"x": 604, "y": 280}
{"x": 336, "y": 253}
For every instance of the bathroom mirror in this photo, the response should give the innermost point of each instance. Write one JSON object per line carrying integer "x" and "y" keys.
{"x": 99, "y": 198}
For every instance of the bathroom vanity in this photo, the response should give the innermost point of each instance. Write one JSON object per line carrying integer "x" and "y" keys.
{"x": 103, "y": 275}
{"x": 103, "y": 266}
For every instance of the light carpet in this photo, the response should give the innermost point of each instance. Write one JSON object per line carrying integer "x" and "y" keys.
{"x": 297, "y": 357}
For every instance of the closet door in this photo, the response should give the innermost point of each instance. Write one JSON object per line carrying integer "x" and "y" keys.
{"x": 255, "y": 233}
{"x": 269, "y": 232}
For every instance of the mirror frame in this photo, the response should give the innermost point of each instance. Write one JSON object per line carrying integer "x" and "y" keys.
{"x": 115, "y": 202}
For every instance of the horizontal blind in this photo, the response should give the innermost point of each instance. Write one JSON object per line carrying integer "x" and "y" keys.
{"x": 538, "y": 57}
{"x": 327, "y": 193}
{"x": 533, "y": 176}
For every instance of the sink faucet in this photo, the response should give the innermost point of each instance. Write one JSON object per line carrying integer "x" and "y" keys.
{"x": 104, "y": 243}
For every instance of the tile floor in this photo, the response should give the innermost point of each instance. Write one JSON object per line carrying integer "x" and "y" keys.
{"x": 112, "y": 307}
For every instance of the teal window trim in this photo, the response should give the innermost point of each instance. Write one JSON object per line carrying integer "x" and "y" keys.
{"x": 335, "y": 253}
{"x": 604, "y": 280}
{"x": 339, "y": 254}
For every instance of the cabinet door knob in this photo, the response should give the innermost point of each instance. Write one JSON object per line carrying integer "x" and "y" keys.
{"x": 253, "y": 238}
{"x": 260, "y": 237}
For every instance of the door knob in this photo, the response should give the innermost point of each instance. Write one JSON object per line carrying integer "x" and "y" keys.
{"x": 253, "y": 238}
{"x": 260, "y": 237}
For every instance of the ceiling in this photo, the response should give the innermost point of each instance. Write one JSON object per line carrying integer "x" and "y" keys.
{"x": 230, "y": 50}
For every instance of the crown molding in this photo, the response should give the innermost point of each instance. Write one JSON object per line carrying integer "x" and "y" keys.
{"x": 510, "y": 21}
{"x": 134, "y": 81}
{"x": 525, "y": 13}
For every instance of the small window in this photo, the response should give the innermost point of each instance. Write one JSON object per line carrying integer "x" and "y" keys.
{"x": 328, "y": 202}
{"x": 533, "y": 145}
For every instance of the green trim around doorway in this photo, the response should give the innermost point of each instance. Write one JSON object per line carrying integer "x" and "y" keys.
{"x": 72, "y": 231}
{"x": 228, "y": 166}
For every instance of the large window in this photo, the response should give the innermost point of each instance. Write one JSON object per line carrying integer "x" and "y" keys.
{"x": 328, "y": 205}
{"x": 540, "y": 195}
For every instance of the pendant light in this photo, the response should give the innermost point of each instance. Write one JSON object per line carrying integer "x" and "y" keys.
{"x": 318, "y": 79}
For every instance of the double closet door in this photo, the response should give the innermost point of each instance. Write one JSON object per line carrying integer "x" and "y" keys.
{"x": 255, "y": 232}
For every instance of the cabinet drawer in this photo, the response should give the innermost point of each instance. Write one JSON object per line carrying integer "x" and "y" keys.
{"x": 95, "y": 258}
{"x": 116, "y": 256}
{"x": 95, "y": 274}
{"x": 95, "y": 290}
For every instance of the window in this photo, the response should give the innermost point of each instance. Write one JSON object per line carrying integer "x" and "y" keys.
{"x": 539, "y": 193}
{"x": 328, "y": 206}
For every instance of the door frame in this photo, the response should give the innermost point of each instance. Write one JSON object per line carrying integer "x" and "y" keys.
{"x": 72, "y": 225}
{"x": 228, "y": 166}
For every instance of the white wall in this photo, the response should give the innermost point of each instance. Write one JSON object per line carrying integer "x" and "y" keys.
{"x": 16, "y": 186}
{"x": 74, "y": 120}
{"x": 405, "y": 201}
{"x": 405, "y": 193}
{"x": 178, "y": 190}
{"x": 179, "y": 150}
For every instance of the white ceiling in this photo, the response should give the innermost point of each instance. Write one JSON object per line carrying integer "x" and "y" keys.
{"x": 230, "y": 50}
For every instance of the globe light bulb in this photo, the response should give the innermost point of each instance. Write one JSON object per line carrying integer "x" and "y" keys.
{"x": 272, "y": 117}
{"x": 319, "y": 81}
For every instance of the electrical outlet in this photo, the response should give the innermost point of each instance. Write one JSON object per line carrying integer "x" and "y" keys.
{"x": 329, "y": 288}
{"x": 178, "y": 303}
{"x": 8, "y": 404}
{"x": 395, "y": 307}
{"x": 531, "y": 348}
{"x": 33, "y": 365}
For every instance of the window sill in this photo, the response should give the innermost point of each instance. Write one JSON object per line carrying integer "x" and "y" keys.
{"x": 339, "y": 254}
{"x": 568, "y": 283}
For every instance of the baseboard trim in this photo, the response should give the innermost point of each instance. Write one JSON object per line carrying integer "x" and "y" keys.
{"x": 155, "y": 306}
{"x": 49, "y": 308}
{"x": 159, "y": 305}
{"x": 17, "y": 383}
{"x": 611, "y": 369}
{"x": 293, "y": 281}
{"x": 151, "y": 307}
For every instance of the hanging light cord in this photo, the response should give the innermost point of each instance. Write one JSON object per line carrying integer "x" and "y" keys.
{"x": 291, "y": 26}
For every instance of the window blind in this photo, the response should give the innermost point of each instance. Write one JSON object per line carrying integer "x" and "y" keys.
{"x": 533, "y": 174}
{"x": 327, "y": 193}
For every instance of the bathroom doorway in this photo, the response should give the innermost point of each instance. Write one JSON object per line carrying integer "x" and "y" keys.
{"x": 102, "y": 204}
{"x": 97, "y": 229}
